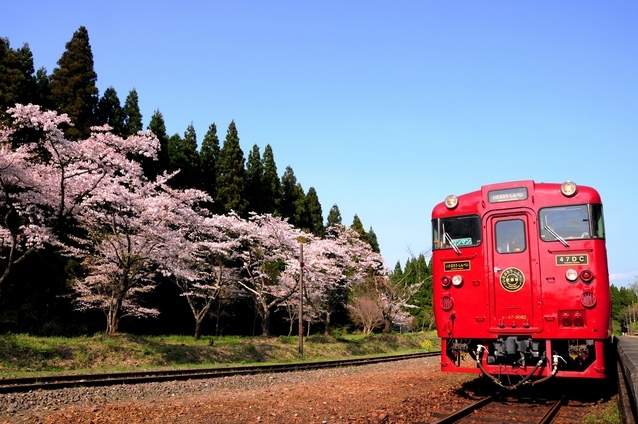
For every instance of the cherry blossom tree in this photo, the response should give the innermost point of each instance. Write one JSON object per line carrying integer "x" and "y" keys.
{"x": 365, "y": 312}
{"x": 134, "y": 232}
{"x": 336, "y": 264}
{"x": 204, "y": 268}
{"x": 391, "y": 298}
{"x": 269, "y": 254}
{"x": 46, "y": 179}
{"x": 90, "y": 199}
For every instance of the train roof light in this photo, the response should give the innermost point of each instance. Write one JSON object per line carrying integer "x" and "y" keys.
{"x": 569, "y": 188}
{"x": 451, "y": 201}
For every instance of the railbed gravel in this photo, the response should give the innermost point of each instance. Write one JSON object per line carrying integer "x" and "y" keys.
{"x": 399, "y": 392}
{"x": 25, "y": 407}
{"x": 52, "y": 399}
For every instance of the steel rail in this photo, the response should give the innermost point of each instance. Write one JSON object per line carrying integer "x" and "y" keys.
{"x": 52, "y": 382}
{"x": 553, "y": 410}
{"x": 463, "y": 412}
{"x": 459, "y": 415}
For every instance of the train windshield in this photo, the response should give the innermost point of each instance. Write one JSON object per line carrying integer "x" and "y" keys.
{"x": 572, "y": 222}
{"x": 456, "y": 232}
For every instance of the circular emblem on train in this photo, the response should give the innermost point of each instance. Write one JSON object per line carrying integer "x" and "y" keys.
{"x": 512, "y": 279}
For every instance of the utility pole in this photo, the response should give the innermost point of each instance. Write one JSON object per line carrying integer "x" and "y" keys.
{"x": 301, "y": 300}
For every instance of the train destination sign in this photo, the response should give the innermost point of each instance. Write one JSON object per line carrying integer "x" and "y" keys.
{"x": 572, "y": 259}
{"x": 507, "y": 195}
{"x": 457, "y": 266}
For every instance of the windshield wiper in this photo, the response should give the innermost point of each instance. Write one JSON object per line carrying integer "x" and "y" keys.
{"x": 555, "y": 234}
{"x": 454, "y": 246}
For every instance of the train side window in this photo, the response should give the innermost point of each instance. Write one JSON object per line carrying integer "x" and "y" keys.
{"x": 510, "y": 236}
{"x": 597, "y": 222}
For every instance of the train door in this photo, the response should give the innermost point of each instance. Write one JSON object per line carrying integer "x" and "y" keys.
{"x": 514, "y": 296}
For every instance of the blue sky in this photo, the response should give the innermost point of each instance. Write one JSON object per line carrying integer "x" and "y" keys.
{"x": 384, "y": 107}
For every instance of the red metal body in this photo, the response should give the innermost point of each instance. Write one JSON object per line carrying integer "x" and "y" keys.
{"x": 520, "y": 281}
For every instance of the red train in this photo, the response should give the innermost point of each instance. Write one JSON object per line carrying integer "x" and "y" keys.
{"x": 520, "y": 282}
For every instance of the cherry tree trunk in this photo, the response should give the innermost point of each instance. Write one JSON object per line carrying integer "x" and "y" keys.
{"x": 198, "y": 329}
{"x": 112, "y": 321}
{"x": 326, "y": 330}
{"x": 265, "y": 323}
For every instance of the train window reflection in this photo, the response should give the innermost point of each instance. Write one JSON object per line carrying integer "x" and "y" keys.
{"x": 510, "y": 236}
{"x": 463, "y": 231}
{"x": 571, "y": 222}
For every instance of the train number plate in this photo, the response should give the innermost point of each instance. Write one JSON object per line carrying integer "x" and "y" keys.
{"x": 572, "y": 259}
{"x": 457, "y": 266}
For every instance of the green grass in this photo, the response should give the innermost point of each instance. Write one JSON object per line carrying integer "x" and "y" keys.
{"x": 25, "y": 355}
{"x": 609, "y": 415}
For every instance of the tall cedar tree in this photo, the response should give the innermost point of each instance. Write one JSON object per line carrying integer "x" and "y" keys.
{"x": 272, "y": 184}
{"x": 158, "y": 127}
{"x": 43, "y": 89}
{"x": 292, "y": 199}
{"x": 183, "y": 156}
{"x": 231, "y": 179}
{"x": 17, "y": 83}
{"x": 209, "y": 157}
{"x": 132, "y": 114}
{"x": 334, "y": 216}
{"x": 109, "y": 111}
{"x": 374, "y": 243}
{"x": 357, "y": 225}
{"x": 315, "y": 215}
{"x": 255, "y": 181}
{"x": 417, "y": 271}
{"x": 73, "y": 86}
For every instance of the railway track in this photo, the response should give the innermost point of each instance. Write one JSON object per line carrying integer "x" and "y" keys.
{"x": 500, "y": 409}
{"x": 54, "y": 382}
{"x": 565, "y": 400}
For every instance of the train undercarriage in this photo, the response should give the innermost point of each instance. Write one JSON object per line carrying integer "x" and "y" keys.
{"x": 524, "y": 359}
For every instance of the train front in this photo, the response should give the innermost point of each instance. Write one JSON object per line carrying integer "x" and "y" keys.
{"x": 520, "y": 282}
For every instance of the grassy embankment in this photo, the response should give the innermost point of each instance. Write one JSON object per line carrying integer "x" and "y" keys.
{"x": 24, "y": 355}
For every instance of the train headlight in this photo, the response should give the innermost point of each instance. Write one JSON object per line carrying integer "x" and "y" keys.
{"x": 586, "y": 275}
{"x": 569, "y": 188}
{"x": 457, "y": 280}
{"x": 451, "y": 201}
{"x": 571, "y": 275}
{"x": 446, "y": 281}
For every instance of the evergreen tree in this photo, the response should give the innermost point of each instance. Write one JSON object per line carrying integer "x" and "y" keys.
{"x": 183, "y": 155}
{"x": 209, "y": 156}
{"x": 357, "y": 225}
{"x": 397, "y": 273}
{"x": 73, "y": 86}
{"x": 334, "y": 216}
{"x": 314, "y": 213}
{"x": 42, "y": 89}
{"x": 158, "y": 127}
{"x": 132, "y": 114}
{"x": 301, "y": 217}
{"x": 17, "y": 83}
{"x": 292, "y": 199}
{"x": 272, "y": 184}
{"x": 417, "y": 271}
{"x": 372, "y": 239}
{"x": 231, "y": 178}
{"x": 255, "y": 181}
{"x": 109, "y": 111}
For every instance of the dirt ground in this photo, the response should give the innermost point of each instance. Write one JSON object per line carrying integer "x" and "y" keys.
{"x": 404, "y": 392}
